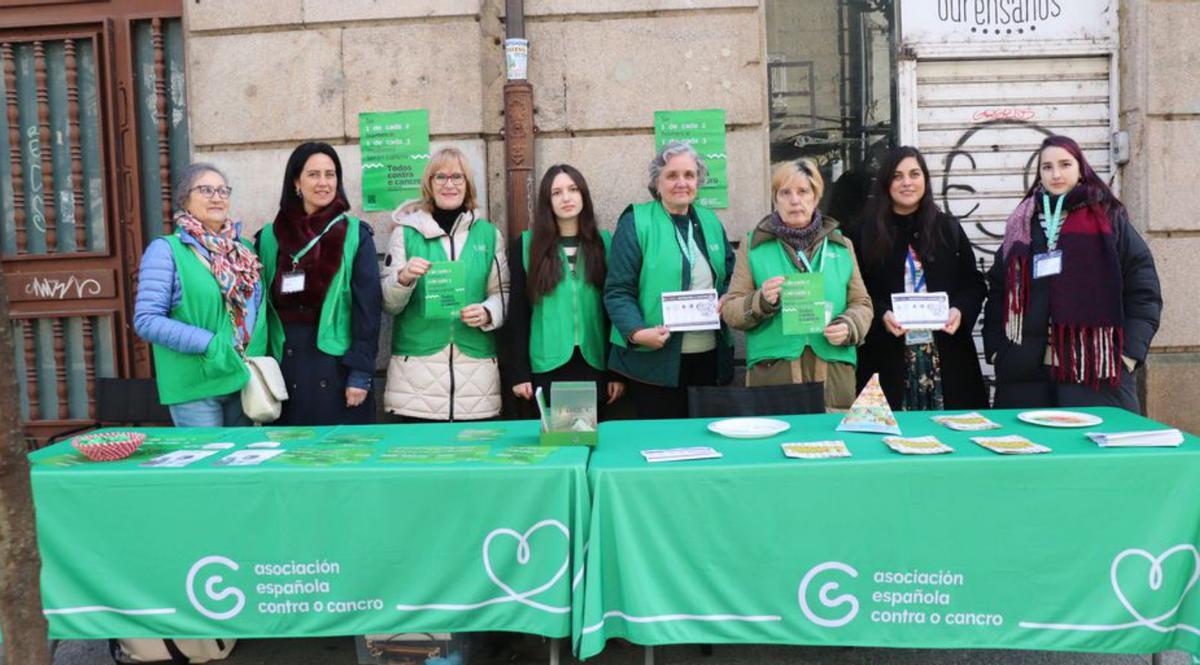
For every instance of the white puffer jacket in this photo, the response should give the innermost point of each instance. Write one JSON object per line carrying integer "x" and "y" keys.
{"x": 448, "y": 385}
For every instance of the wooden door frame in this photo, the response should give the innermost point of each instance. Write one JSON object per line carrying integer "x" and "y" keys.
{"x": 111, "y": 22}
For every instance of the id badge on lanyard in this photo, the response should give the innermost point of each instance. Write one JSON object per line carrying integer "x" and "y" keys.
{"x": 1051, "y": 262}
{"x": 291, "y": 282}
{"x": 916, "y": 337}
{"x": 1048, "y": 264}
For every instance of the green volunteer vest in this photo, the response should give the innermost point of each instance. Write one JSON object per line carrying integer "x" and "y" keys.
{"x": 569, "y": 316}
{"x": 766, "y": 341}
{"x": 333, "y": 329}
{"x": 662, "y": 260}
{"x": 415, "y": 335}
{"x": 220, "y": 370}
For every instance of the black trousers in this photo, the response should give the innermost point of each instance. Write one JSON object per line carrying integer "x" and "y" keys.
{"x": 1048, "y": 393}
{"x": 657, "y": 402}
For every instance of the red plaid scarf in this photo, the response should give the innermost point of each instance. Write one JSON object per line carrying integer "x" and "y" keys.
{"x": 1086, "y": 307}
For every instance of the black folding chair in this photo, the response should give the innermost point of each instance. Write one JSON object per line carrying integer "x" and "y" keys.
{"x": 124, "y": 402}
{"x": 730, "y": 401}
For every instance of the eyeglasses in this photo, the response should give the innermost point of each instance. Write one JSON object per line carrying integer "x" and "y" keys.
{"x": 208, "y": 191}
{"x": 442, "y": 178}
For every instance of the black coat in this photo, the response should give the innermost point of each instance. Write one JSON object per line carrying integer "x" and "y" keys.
{"x": 952, "y": 269}
{"x": 317, "y": 381}
{"x": 1020, "y": 369}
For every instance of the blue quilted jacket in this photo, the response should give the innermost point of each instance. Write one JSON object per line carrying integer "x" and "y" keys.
{"x": 158, "y": 292}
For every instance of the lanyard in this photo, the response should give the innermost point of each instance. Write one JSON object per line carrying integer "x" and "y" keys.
{"x": 804, "y": 259}
{"x": 688, "y": 248}
{"x": 1052, "y": 222}
{"x": 918, "y": 284}
{"x": 312, "y": 243}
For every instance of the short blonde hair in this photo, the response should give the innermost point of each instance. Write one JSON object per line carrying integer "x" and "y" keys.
{"x": 804, "y": 168}
{"x": 437, "y": 161}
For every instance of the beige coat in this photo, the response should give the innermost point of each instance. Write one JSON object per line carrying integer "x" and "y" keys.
{"x": 432, "y": 386}
{"x": 744, "y": 308}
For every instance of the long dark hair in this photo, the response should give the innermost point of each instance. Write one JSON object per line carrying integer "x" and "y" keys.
{"x": 881, "y": 209}
{"x": 545, "y": 263}
{"x": 1097, "y": 191}
{"x": 288, "y": 198}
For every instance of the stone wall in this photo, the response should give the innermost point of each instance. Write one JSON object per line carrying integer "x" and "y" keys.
{"x": 263, "y": 77}
{"x": 1160, "y": 108}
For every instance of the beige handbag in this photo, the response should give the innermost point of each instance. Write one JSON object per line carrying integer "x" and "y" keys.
{"x": 265, "y": 391}
{"x": 174, "y": 651}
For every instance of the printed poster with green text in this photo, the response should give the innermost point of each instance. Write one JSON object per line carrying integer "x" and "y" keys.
{"x": 705, "y": 131}
{"x": 395, "y": 150}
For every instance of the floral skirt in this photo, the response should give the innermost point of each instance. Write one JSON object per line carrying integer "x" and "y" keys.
{"x": 923, "y": 378}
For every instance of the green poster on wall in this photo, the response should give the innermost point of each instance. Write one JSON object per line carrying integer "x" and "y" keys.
{"x": 395, "y": 149}
{"x": 705, "y": 131}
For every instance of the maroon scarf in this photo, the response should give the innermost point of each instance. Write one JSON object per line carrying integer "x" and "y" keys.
{"x": 294, "y": 230}
{"x": 1086, "y": 313}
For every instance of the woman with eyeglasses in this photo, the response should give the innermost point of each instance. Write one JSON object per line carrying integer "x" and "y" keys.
{"x": 320, "y": 265}
{"x": 199, "y": 305}
{"x": 797, "y": 242}
{"x": 558, "y": 329}
{"x": 445, "y": 280}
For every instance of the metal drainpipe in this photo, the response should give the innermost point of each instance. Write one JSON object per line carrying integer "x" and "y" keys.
{"x": 518, "y": 122}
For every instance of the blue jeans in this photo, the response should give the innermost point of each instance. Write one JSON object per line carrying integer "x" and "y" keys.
{"x": 223, "y": 411}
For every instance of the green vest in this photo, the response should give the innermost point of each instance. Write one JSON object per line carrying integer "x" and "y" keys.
{"x": 333, "y": 329}
{"x": 569, "y": 316}
{"x": 766, "y": 341}
{"x": 415, "y": 335}
{"x": 185, "y": 377}
{"x": 662, "y": 260}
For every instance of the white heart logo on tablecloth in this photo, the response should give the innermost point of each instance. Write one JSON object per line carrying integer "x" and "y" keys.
{"x": 524, "y": 555}
{"x": 1155, "y": 580}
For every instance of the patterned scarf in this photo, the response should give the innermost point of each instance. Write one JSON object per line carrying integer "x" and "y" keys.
{"x": 1086, "y": 313}
{"x": 800, "y": 239}
{"x": 233, "y": 264}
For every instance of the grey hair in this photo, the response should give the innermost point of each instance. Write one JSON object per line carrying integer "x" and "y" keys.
{"x": 187, "y": 179}
{"x": 670, "y": 151}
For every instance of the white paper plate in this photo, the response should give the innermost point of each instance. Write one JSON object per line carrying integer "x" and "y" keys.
{"x": 748, "y": 428}
{"x": 1055, "y": 418}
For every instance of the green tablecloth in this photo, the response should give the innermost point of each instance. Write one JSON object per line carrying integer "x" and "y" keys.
{"x": 352, "y": 530}
{"x": 1081, "y": 549}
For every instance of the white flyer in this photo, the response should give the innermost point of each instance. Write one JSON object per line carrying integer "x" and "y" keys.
{"x": 248, "y": 457}
{"x": 921, "y": 311}
{"x": 685, "y": 311}
{"x": 680, "y": 454}
{"x": 178, "y": 458}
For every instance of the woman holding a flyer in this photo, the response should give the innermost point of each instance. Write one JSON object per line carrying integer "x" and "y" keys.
{"x": 670, "y": 263}
{"x": 1074, "y": 298}
{"x": 927, "y": 292}
{"x": 445, "y": 279}
{"x": 557, "y": 328}
{"x": 319, "y": 263}
{"x": 797, "y": 292}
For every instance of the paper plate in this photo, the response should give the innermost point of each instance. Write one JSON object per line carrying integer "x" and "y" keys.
{"x": 1055, "y": 418}
{"x": 748, "y": 428}
{"x": 108, "y": 446}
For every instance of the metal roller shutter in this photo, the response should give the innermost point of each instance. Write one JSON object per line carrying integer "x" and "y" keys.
{"x": 979, "y": 123}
